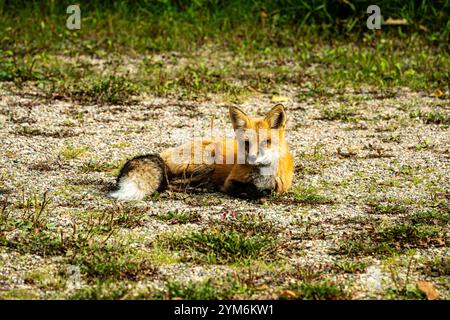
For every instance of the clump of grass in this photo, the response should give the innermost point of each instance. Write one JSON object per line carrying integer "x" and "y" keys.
{"x": 102, "y": 290}
{"x": 222, "y": 246}
{"x": 83, "y": 246}
{"x": 128, "y": 216}
{"x": 204, "y": 290}
{"x": 192, "y": 81}
{"x": 391, "y": 239}
{"x": 310, "y": 195}
{"x": 250, "y": 224}
{"x": 437, "y": 117}
{"x": 120, "y": 145}
{"x": 112, "y": 261}
{"x": 389, "y": 208}
{"x": 96, "y": 166}
{"x": 35, "y": 210}
{"x": 432, "y": 117}
{"x": 350, "y": 266}
{"x": 313, "y": 162}
{"x": 431, "y": 217}
{"x": 71, "y": 152}
{"x": 180, "y": 217}
{"x": 394, "y": 137}
{"x": 19, "y": 294}
{"x": 410, "y": 234}
{"x": 30, "y": 131}
{"x": 363, "y": 246}
{"x": 322, "y": 290}
{"x": 342, "y": 112}
{"x": 44, "y": 279}
{"x": 438, "y": 267}
{"x": 30, "y": 231}
{"x": 191, "y": 291}
{"x": 101, "y": 90}
{"x": 424, "y": 144}
{"x": 406, "y": 292}
{"x": 20, "y": 67}
{"x": 105, "y": 221}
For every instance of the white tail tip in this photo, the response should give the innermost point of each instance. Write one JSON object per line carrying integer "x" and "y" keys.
{"x": 128, "y": 191}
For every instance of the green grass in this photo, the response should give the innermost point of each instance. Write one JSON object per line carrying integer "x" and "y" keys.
{"x": 180, "y": 217}
{"x": 432, "y": 117}
{"x": 350, "y": 266}
{"x": 392, "y": 239}
{"x": 118, "y": 261}
{"x": 381, "y": 208}
{"x": 410, "y": 234}
{"x": 44, "y": 278}
{"x": 222, "y": 246}
{"x": 310, "y": 195}
{"x": 107, "y": 220}
{"x": 70, "y": 152}
{"x": 431, "y": 217}
{"x": 196, "y": 78}
{"x": 98, "y": 89}
{"x": 424, "y": 145}
{"x": 322, "y": 290}
{"x": 210, "y": 289}
{"x": 30, "y": 131}
{"x": 97, "y": 166}
{"x": 394, "y": 137}
{"x": 19, "y": 294}
{"x": 191, "y": 291}
{"x": 85, "y": 246}
{"x": 438, "y": 267}
{"x": 342, "y": 112}
{"x": 102, "y": 290}
{"x": 180, "y": 25}
{"x": 407, "y": 293}
{"x": 34, "y": 231}
{"x": 259, "y": 54}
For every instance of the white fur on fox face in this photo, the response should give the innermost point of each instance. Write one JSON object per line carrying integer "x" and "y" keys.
{"x": 267, "y": 162}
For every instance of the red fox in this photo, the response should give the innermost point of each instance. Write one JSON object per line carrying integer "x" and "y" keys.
{"x": 254, "y": 164}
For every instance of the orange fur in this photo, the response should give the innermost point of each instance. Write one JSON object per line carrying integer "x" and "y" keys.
{"x": 222, "y": 176}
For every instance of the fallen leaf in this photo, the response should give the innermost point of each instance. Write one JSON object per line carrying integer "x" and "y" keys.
{"x": 423, "y": 28}
{"x": 280, "y": 99}
{"x": 428, "y": 289}
{"x": 262, "y": 287}
{"x": 396, "y": 22}
{"x": 288, "y": 294}
{"x": 437, "y": 93}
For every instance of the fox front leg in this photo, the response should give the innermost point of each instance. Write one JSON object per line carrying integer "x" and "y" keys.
{"x": 245, "y": 190}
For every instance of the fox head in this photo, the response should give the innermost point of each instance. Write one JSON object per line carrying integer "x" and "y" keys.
{"x": 261, "y": 137}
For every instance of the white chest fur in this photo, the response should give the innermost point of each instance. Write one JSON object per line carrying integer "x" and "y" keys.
{"x": 266, "y": 172}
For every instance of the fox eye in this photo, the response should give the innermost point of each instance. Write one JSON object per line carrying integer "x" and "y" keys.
{"x": 247, "y": 144}
{"x": 265, "y": 143}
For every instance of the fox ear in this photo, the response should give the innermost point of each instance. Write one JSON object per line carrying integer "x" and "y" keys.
{"x": 238, "y": 118}
{"x": 276, "y": 118}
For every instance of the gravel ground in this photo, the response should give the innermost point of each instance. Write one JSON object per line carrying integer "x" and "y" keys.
{"x": 350, "y": 162}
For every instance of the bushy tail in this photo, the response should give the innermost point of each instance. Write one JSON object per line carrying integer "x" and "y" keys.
{"x": 141, "y": 176}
